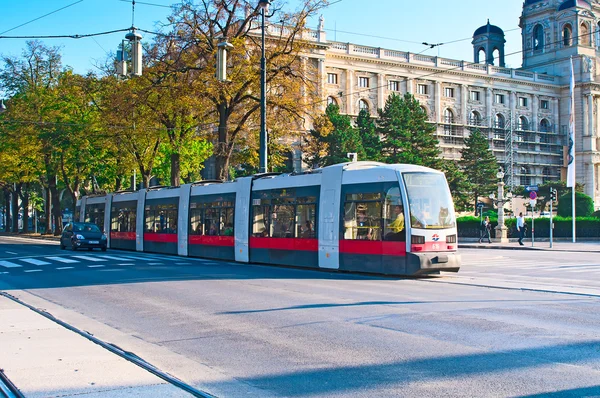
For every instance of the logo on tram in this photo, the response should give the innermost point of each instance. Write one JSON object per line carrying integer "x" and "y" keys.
{"x": 435, "y": 237}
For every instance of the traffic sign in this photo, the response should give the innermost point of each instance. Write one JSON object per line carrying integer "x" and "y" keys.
{"x": 532, "y": 203}
{"x": 532, "y": 188}
{"x": 532, "y": 195}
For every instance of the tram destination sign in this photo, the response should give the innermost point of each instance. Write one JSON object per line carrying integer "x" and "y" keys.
{"x": 532, "y": 188}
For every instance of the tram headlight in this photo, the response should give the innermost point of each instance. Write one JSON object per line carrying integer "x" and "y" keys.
{"x": 451, "y": 239}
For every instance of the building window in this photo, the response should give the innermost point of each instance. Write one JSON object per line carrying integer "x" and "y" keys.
{"x": 363, "y": 105}
{"x": 394, "y": 85}
{"x": 584, "y": 34}
{"x": 538, "y": 37}
{"x": 475, "y": 96}
{"x": 449, "y": 92}
{"x": 499, "y": 98}
{"x": 331, "y": 101}
{"x": 475, "y": 119}
{"x": 545, "y": 126}
{"x": 523, "y": 124}
{"x": 332, "y": 78}
{"x": 522, "y": 101}
{"x": 363, "y": 82}
{"x": 499, "y": 121}
{"x": 544, "y": 104}
{"x": 567, "y": 35}
{"x": 422, "y": 89}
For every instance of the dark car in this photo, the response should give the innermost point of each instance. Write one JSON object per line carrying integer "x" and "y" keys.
{"x": 80, "y": 235}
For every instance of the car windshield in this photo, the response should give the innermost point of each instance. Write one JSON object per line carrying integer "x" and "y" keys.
{"x": 429, "y": 201}
{"x": 85, "y": 228}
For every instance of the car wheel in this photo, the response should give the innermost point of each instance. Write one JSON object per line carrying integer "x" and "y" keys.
{"x": 62, "y": 247}
{"x": 73, "y": 247}
{"x": 104, "y": 249}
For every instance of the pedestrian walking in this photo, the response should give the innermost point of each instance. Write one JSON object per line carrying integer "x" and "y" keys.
{"x": 486, "y": 230}
{"x": 521, "y": 228}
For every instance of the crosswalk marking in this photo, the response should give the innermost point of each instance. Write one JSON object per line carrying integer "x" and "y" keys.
{"x": 63, "y": 260}
{"x": 96, "y": 266}
{"x": 89, "y": 258}
{"x": 34, "y": 261}
{"x": 8, "y": 264}
{"x": 33, "y": 270}
{"x": 114, "y": 258}
{"x": 65, "y": 268}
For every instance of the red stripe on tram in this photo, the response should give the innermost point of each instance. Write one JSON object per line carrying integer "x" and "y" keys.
{"x": 212, "y": 240}
{"x": 154, "y": 237}
{"x": 122, "y": 235}
{"x": 377, "y": 248}
{"x": 284, "y": 244}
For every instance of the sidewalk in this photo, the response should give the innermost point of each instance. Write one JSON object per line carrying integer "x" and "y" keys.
{"x": 560, "y": 246}
{"x": 44, "y": 359}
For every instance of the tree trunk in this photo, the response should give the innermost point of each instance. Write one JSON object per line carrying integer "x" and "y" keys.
{"x": 175, "y": 169}
{"x": 56, "y": 213}
{"x": 221, "y": 152}
{"x": 24, "y": 194}
{"x": 15, "y": 208}
{"x": 7, "y": 219}
{"x": 47, "y": 211}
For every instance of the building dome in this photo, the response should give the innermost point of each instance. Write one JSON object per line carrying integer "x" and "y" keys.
{"x": 488, "y": 29}
{"x": 574, "y": 3}
{"x": 530, "y": 2}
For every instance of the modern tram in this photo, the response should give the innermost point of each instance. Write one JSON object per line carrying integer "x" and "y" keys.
{"x": 360, "y": 216}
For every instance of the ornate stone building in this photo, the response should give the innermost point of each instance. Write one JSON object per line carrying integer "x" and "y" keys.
{"x": 524, "y": 111}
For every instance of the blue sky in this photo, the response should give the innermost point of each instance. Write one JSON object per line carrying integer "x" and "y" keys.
{"x": 394, "y": 24}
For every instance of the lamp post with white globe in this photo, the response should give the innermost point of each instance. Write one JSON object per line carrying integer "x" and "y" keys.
{"x": 501, "y": 230}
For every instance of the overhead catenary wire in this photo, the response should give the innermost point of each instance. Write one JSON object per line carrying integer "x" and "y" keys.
{"x": 43, "y": 16}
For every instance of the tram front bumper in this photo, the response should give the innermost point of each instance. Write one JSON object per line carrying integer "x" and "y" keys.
{"x": 432, "y": 262}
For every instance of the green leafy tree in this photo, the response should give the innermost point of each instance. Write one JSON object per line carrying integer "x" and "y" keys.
{"x": 584, "y": 205}
{"x": 332, "y": 139}
{"x": 543, "y": 194}
{"x": 459, "y": 186}
{"x": 479, "y": 166}
{"x": 406, "y": 135}
{"x": 369, "y": 137}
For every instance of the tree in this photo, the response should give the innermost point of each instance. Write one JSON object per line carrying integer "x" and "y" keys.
{"x": 233, "y": 106}
{"x": 458, "y": 184}
{"x": 369, "y": 137}
{"x": 332, "y": 139}
{"x": 479, "y": 166}
{"x": 406, "y": 135}
{"x": 584, "y": 205}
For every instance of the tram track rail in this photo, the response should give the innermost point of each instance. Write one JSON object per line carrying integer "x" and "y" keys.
{"x": 10, "y": 388}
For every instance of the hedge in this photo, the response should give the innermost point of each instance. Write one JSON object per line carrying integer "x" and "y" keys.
{"x": 586, "y": 227}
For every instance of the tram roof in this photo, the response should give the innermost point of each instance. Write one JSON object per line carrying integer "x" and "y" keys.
{"x": 404, "y": 168}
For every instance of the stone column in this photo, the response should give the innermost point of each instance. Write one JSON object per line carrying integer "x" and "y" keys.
{"x": 591, "y": 122}
{"x": 488, "y": 106}
{"x": 437, "y": 99}
{"x": 381, "y": 87}
{"x": 322, "y": 81}
{"x": 349, "y": 98}
{"x": 535, "y": 123}
{"x": 410, "y": 86}
{"x": 464, "y": 97}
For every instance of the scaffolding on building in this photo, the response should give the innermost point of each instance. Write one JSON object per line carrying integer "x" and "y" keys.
{"x": 509, "y": 160}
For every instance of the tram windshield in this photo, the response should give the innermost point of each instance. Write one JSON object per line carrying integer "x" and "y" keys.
{"x": 429, "y": 201}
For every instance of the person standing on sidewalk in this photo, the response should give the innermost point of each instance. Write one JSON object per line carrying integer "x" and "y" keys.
{"x": 486, "y": 229}
{"x": 521, "y": 228}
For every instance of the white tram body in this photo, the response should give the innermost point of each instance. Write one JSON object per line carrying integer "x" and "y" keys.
{"x": 361, "y": 216}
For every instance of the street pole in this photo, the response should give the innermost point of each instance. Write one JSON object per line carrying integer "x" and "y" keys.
{"x": 532, "y": 225}
{"x": 263, "y": 100}
{"x": 551, "y": 224}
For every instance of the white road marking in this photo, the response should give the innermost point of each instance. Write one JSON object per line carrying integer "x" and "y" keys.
{"x": 33, "y": 270}
{"x": 114, "y": 258}
{"x": 63, "y": 260}
{"x": 65, "y": 267}
{"x": 125, "y": 264}
{"x": 182, "y": 263}
{"x": 111, "y": 270}
{"x": 8, "y": 264}
{"x": 96, "y": 266}
{"x": 35, "y": 261}
{"x": 154, "y": 263}
{"x": 12, "y": 253}
{"x": 89, "y": 258}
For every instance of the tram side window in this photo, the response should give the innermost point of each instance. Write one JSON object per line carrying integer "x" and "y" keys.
{"x": 95, "y": 214}
{"x": 262, "y": 220}
{"x": 393, "y": 216}
{"x": 282, "y": 221}
{"x": 213, "y": 218}
{"x": 161, "y": 219}
{"x": 123, "y": 219}
{"x": 362, "y": 219}
{"x": 306, "y": 221}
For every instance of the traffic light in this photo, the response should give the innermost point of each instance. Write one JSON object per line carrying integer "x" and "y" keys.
{"x": 553, "y": 194}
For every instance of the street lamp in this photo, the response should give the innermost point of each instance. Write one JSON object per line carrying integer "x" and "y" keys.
{"x": 262, "y": 155}
{"x": 501, "y": 230}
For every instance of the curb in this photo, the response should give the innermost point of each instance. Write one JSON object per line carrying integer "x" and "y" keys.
{"x": 483, "y": 246}
{"x": 28, "y": 236}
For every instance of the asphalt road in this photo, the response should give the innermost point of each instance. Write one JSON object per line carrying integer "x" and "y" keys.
{"x": 511, "y": 323}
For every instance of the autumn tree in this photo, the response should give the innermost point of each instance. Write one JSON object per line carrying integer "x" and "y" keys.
{"x": 198, "y": 27}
